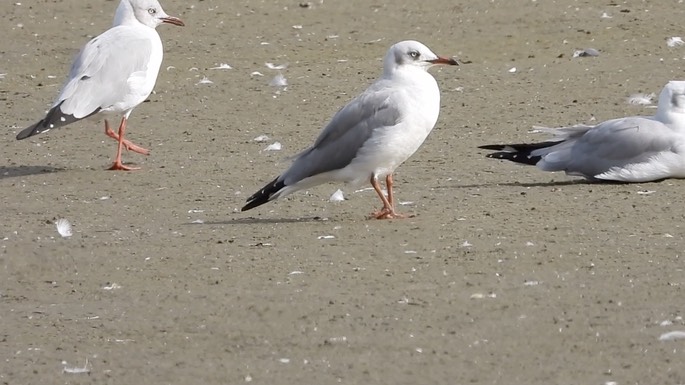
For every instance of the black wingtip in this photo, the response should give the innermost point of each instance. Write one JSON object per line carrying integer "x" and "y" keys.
{"x": 55, "y": 118}
{"x": 496, "y": 147}
{"x": 264, "y": 195}
{"x": 31, "y": 130}
{"x": 517, "y": 157}
{"x": 519, "y": 153}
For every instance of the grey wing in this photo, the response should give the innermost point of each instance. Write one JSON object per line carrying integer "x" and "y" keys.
{"x": 101, "y": 74}
{"x": 614, "y": 143}
{"x": 341, "y": 140}
{"x": 105, "y": 71}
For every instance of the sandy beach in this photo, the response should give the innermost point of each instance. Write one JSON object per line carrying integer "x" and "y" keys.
{"x": 504, "y": 274}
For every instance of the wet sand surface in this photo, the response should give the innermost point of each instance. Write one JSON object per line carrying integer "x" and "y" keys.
{"x": 504, "y": 274}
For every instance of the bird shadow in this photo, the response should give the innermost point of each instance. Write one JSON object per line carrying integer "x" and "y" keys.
{"x": 19, "y": 171}
{"x": 522, "y": 184}
{"x": 263, "y": 221}
{"x": 579, "y": 182}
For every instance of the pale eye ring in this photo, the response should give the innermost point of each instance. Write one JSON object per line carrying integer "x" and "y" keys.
{"x": 414, "y": 54}
{"x": 151, "y": 11}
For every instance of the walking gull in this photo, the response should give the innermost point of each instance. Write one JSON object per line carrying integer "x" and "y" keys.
{"x": 113, "y": 73}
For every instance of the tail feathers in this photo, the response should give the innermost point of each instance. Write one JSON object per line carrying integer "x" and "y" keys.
{"x": 519, "y": 153}
{"x": 55, "y": 118}
{"x": 264, "y": 195}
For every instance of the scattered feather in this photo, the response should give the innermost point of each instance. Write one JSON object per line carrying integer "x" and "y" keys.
{"x": 674, "y": 335}
{"x": 261, "y": 138}
{"x": 646, "y": 192}
{"x": 606, "y": 16}
{"x": 675, "y": 41}
{"x": 279, "y": 81}
{"x": 297, "y": 26}
{"x": 406, "y": 203}
{"x": 326, "y": 237}
{"x": 275, "y": 146}
{"x": 222, "y": 66}
{"x": 296, "y": 272}
{"x": 466, "y": 244}
{"x": 512, "y": 70}
{"x": 337, "y": 196}
{"x": 256, "y": 73}
{"x": 481, "y": 295}
{"x": 76, "y": 370}
{"x": 204, "y": 80}
{"x": 587, "y": 52}
{"x": 64, "y": 228}
{"x": 111, "y": 286}
{"x": 198, "y": 222}
{"x": 273, "y": 66}
{"x": 641, "y": 99}
{"x": 335, "y": 340}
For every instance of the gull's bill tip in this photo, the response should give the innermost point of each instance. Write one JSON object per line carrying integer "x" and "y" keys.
{"x": 444, "y": 60}
{"x": 173, "y": 20}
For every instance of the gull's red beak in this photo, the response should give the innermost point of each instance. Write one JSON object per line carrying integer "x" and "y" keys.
{"x": 173, "y": 20}
{"x": 442, "y": 60}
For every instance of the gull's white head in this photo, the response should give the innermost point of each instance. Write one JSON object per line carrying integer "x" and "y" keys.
{"x": 412, "y": 54}
{"x": 146, "y": 12}
{"x": 671, "y": 101}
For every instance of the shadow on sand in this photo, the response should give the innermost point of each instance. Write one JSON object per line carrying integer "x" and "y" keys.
{"x": 19, "y": 171}
{"x": 263, "y": 221}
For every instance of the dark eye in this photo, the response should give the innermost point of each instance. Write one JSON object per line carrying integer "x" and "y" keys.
{"x": 151, "y": 11}
{"x": 414, "y": 54}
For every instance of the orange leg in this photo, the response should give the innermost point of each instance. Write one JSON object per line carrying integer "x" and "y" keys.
{"x": 127, "y": 144}
{"x": 388, "y": 186}
{"x": 120, "y": 137}
{"x": 388, "y": 210}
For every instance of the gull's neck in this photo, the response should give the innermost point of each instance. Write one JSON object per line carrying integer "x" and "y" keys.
{"x": 404, "y": 72}
{"x": 124, "y": 14}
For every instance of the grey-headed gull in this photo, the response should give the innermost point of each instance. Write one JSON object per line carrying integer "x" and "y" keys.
{"x": 373, "y": 134}
{"x": 113, "y": 73}
{"x": 632, "y": 149}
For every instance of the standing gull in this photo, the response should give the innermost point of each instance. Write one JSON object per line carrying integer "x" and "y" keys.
{"x": 632, "y": 149}
{"x": 113, "y": 73}
{"x": 373, "y": 134}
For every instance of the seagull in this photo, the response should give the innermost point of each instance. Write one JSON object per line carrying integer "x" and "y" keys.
{"x": 373, "y": 134}
{"x": 113, "y": 73}
{"x": 631, "y": 149}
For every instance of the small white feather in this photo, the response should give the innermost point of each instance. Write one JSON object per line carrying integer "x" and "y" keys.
{"x": 337, "y": 196}
{"x": 641, "y": 99}
{"x": 275, "y": 146}
{"x": 674, "y": 335}
{"x": 64, "y": 227}
{"x": 222, "y": 66}
{"x": 279, "y": 81}
{"x": 273, "y": 66}
{"x": 675, "y": 41}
